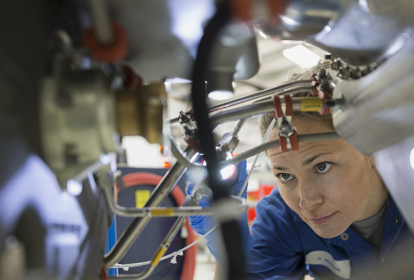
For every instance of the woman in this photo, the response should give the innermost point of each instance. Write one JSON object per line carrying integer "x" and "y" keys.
{"x": 330, "y": 217}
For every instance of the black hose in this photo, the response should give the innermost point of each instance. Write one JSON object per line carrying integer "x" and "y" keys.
{"x": 230, "y": 229}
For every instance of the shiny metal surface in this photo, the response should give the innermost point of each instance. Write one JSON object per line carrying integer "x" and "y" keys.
{"x": 396, "y": 167}
{"x": 241, "y": 112}
{"x": 141, "y": 111}
{"x": 275, "y": 143}
{"x": 302, "y": 19}
{"x": 101, "y": 24}
{"x": 138, "y": 224}
{"x": 289, "y": 88}
{"x": 378, "y": 110}
{"x": 239, "y": 126}
{"x": 167, "y": 240}
{"x": 76, "y": 105}
{"x": 150, "y": 268}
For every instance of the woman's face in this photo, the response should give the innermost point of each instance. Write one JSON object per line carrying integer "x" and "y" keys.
{"x": 329, "y": 184}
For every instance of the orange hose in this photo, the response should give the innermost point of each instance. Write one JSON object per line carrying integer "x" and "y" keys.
{"x": 109, "y": 54}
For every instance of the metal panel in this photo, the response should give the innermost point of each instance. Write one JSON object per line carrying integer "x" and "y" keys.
{"x": 396, "y": 166}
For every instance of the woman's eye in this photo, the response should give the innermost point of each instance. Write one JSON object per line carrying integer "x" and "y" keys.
{"x": 284, "y": 177}
{"x": 323, "y": 167}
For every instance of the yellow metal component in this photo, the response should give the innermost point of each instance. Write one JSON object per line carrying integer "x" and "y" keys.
{"x": 141, "y": 112}
{"x": 141, "y": 197}
{"x": 310, "y": 104}
{"x": 158, "y": 255}
{"x": 162, "y": 212}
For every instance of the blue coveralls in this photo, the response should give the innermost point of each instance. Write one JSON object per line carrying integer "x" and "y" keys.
{"x": 284, "y": 245}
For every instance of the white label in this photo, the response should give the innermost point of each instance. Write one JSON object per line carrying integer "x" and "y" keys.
{"x": 340, "y": 268}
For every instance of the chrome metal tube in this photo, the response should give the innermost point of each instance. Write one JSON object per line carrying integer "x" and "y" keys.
{"x": 183, "y": 159}
{"x": 282, "y": 89}
{"x": 242, "y": 112}
{"x": 275, "y": 143}
{"x": 289, "y": 91}
{"x": 289, "y": 88}
{"x": 163, "y": 247}
{"x": 239, "y": 126}
{"x": 185, "y": 210}
{"x": 138, "y": 224}
{"x": 156, "y": 258}
{"x": 155, "y": 211}
{"x": 101, "y": 24}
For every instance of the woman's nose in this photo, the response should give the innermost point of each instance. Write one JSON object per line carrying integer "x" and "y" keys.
{"x": 310, "y": 197}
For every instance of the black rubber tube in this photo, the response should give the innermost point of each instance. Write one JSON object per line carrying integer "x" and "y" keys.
{"x": 231, "y": 233}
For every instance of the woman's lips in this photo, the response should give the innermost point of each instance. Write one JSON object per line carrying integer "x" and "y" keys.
{"x": 322, "y": 220}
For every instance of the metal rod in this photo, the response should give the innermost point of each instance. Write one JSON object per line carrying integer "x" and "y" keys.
{"x": 290, "y": 88}
{"x": 275, "y": 143}
{"x": 101, "y": 24}
{"x": 282, "y": 89}
{"x": 138, "y": 224}
{"x": 182, "y": 159}
{"x": 239, "y": 126}
{"x": 288, "y": 91}
{"x": 169, "y": 238}
{"x": 156, "y": 211}
{"x": 242, "y": 112}
{"x": 176, "y": 151}
{"x": 158, "y": 254}
{"x": 190, "y": 210}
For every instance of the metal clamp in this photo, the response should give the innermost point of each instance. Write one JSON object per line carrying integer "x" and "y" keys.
{"x": 187, "y": 124}
{"x": 319, "y": 89}
{"x": 284, "y": 121}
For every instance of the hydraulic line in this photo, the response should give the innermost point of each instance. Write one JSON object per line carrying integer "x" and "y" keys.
{"x": 230, "y": 228}
{"x": 242, "y": 112}
{"x": 162, "y": 248}
{"x": 289, "y": 88}
{"x": 304, "y": 104}
{"x": 239, "y": 126}
{"x": 178, "y": 154}
{"x": 254, "y": 151}
{"x": 266, "y": 136}
{"x": 163, "y": 211}
{"x": 138, "y": 224}
{"x": 275, "y": 143}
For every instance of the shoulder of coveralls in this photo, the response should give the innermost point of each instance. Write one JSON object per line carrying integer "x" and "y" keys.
{"x": 275, "y": 217}
{"x": 275, "y": 203}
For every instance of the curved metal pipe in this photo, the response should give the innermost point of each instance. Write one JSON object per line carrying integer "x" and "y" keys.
{"x": 289, "y": 88}
{"x": 138, "y": 224}
{"x": 275, "y": 143}
{"x": 242, "y": 112}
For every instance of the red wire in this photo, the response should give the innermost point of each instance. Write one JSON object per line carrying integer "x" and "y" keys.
{"x": 143, "y": 178}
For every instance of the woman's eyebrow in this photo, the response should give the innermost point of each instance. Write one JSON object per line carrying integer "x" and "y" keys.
{"x": 280, "y": 168}
{"x": 309, "y": 161}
